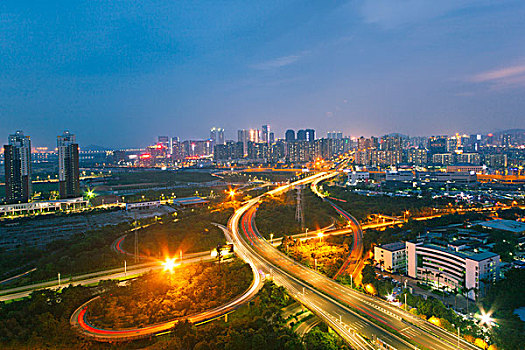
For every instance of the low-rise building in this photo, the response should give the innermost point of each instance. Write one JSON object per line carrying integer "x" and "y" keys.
{"x": 446, "y": 268}
{"x": 391, "y": 257}
{"x": 43, "y": 207}
{"x": 505, "y": 225}
{"x": 143, "y": 205}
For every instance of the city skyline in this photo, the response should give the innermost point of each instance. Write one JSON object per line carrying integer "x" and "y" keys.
{"x": 367, "y": 67}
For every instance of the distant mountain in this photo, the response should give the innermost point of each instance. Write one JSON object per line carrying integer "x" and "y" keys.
{"x": 396, "y": 134}
{"x": 509, "y": 131}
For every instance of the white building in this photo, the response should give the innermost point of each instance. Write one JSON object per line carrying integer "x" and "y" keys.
{"x": 43, "y": 207}
{"x": 357, "y": 176}
{"x": 442, "y": 267}
{"x": 391, "y": 257}
{"x": 143, "y": 205}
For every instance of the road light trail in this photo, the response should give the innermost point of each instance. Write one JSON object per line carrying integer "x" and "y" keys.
{"x": 80, "y": 323}
{"x": 333, "y": 295}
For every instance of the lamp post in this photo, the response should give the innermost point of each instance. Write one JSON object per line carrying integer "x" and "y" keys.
{"x": 59, "y": 280}
{"x": 271, "y": 238}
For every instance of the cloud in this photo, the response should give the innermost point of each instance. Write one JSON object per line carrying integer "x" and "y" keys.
{"x": 502, "y": 77}
{"x": 394, "y": 13}
{"x": 279, "y": 62}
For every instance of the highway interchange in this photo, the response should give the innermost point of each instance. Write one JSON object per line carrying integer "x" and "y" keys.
{"x": 350, "y": 313}
{"x": 363, "y": 321}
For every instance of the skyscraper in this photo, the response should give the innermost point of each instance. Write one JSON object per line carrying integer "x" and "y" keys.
{"x": 290, "y": 135}
{"x": 265, "y": 134}
{"x": 301, "y": 135}
{"x": 217, "y": 136}
{"x": 243, "y": 136}
{"x": 68, "y": 169}
{"x": 17, "y": 163}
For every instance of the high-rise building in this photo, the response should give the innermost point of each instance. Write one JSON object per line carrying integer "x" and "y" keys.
{"x": 271, "y": 138}
{"x": 17, "y": 164}
{"x": 265, "y": 134}
{"x": 217, "y": 136}
{"x": 175, "y": 149}
{"x": 310, "y": 134}
{"x": 243, "y": 136}
{"x": 162, "y": 140}
{"x": 301, "y": 135}
{"x": 68, "y": 168}
{"x": 437, "y": 144}
{"x": 253, "y": 135}
{"x": 289, "y": 136}
{"x": 338, "y": 135}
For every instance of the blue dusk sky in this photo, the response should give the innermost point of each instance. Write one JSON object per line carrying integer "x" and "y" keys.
{"x": 119, "y": 73}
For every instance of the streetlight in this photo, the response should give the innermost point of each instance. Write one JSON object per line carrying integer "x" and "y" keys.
{"x": 320, "y": 235}
{"x": 485, "y": 318}
{"x": 271, "y": 238}
{"x": 170, "y": 264}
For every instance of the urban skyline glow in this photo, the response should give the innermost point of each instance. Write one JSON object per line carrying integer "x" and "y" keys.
{"x": 116, "y": 73}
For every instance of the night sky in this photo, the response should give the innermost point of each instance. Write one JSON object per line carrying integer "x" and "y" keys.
{"x": 119, "y": 73}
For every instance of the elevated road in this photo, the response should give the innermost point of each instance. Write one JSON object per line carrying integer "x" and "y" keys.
{"x": 352, "y": 314}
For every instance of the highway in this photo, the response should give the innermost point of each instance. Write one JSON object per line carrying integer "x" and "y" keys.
{"x": 92, "y": 278}
{"x": 81, "y": 324}
{"x": 348, "y": 312}
{"x": 355, "y": 262}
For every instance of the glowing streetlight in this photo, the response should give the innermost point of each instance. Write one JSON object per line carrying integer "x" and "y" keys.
{"x": 271, "y": 238}
{"x": 486, "y": 318}
{"x": 90, "y": 194}
{"x": 320, "y": 235}
{"x": 170, "y": 264}
{"x": 390, "y": 297}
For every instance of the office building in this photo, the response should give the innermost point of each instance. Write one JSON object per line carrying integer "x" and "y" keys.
{"x": 271, "y": 138}
{"x": 243, "y": 136}
{"x": 446, "y": 267}
{"x": 391, "y": 257}
{"x": 265, "y": 134}
{"x": 217, "y": 136}
{"x": 17, "y": 164}
{"x": 68, "y": 168}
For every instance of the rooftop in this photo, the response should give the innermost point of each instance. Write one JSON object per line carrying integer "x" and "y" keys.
{"x": 392, "y": 247}
{"x": 465, "y": 254}
{"x": 505, "y": 225}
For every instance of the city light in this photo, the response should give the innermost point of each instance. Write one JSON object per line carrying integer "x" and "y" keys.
{"x": 390, "y": 297}
{"x": 485, "y": 318}
{"x": 370, "y": 288}
{"x": 170, "y": 264}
